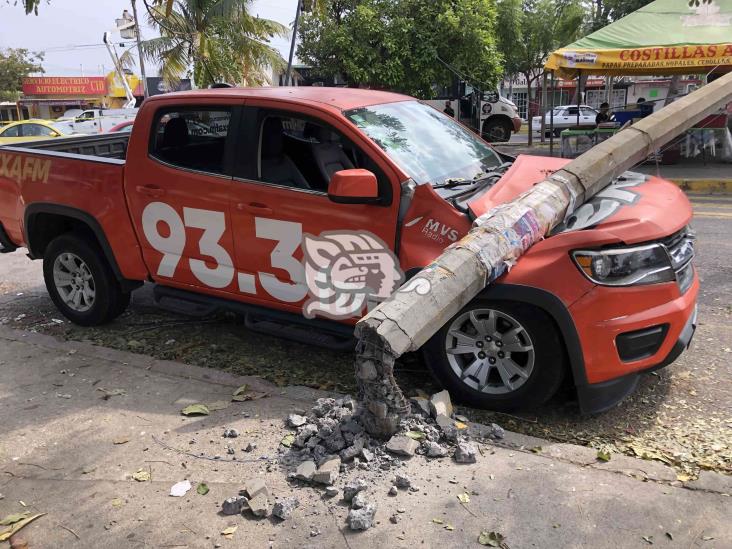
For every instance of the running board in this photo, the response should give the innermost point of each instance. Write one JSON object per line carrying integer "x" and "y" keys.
{"x": 323, "y": 333}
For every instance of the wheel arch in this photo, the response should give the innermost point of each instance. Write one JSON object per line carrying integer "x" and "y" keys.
{"x": 503, "y": 118}
{"x": 557, "y": 311}
{"x": 44, "y": 221}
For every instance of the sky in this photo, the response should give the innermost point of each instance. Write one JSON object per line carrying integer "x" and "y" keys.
{"x": 70, "y": 31}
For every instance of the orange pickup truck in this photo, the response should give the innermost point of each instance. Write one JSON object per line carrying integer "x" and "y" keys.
{"x": 302, "y": 207}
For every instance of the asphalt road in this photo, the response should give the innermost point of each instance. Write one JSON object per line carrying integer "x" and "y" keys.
{"x": 681, "y": 415}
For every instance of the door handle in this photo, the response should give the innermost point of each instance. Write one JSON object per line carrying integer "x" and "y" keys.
{"x": 254, "y": 207}
{"x": 150, "y": 190}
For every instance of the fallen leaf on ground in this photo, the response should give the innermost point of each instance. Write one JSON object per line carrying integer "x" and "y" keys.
{"x": 415, "y": 435}
{"x": 537, "y": 449}
{"x": 464, "y": 497}
{"x": 491, "y": 539}
{"x": 117, "y": 502}
{"x": 449, "y": 527}
{"x": 603, "y": 456}
{"x": 10, "y": 530}
{"x": 180, "y": 489}
{"x": 670, "y": 536}
{"x": 229, "y": 532}
{"x": 141, "y": 475}
{"x": 648, "y": 539}
{"x": 121, "y": 440}
{"x": 240, "y": 391}
{"x": 460, "y": 425}
{"x": 195, "y": 410}
{"x": 683, "y": 477}
{"x": 288, "y": 440}
{"x": 438, "y": 521}
{"x": 248, "y": 396}
{"x": 202, "y": 488}
{"x": 12, "y": 519}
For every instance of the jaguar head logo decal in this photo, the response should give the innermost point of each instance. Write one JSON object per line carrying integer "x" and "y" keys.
{"x": 344, "y": 271}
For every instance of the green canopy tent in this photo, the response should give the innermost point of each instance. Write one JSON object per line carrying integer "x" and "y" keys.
{"x": 663, "y": 38}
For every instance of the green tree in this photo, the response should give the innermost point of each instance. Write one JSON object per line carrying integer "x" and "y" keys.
{"x": 16, "y": 64}
{"x": 529, "y": 30}
{"x": 398, "y": 44}
{"x": 213, "y": 40}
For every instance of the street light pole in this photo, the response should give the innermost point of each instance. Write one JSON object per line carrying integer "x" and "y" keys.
{"x": 139, "y": 50}
{"x": 288, "y": 74}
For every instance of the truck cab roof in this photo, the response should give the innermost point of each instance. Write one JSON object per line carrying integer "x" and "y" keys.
{"x": 341, "y": 99}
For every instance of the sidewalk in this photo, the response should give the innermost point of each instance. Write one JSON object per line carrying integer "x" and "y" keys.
{"x": 70, "y": 444}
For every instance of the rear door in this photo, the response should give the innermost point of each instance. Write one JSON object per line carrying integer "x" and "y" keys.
{"x": 285, "y": 161}
{"x": 178, "y": 194}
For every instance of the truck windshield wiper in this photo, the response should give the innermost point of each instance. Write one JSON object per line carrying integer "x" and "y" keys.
{"x": 452, "y": 183}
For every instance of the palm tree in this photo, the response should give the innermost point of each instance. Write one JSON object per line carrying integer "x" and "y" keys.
{"x": 219, "y": 40}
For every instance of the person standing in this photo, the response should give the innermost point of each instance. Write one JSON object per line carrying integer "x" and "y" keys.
{"x": 448, "y": 110}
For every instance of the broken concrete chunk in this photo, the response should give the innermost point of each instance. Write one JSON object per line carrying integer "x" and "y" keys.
{"x": 283, "y": 509}
{"x": 305, "y": 470}
{"x": 231, "y": 433}
{"x": 331, "y": 491}
{"x": 335, "y": 441}
{"x": 304, "y": 434}
{"x": 353, "y": 487}
{"x": 234, "y": 506}
{"x": 440, "y": 404}
{"x": 323, "y": 406}
{"x": 328, "y": 471}
{"x": 402, "y": 445}
{"x": 256, "y": 487}
{"x": 358, "y": 501}
{"x": 423, "y": 405}
{"x": 393, "y": 491}
{"x": 434, "y": 450}
{"x": 466, "y": 452}
{"x": 497, "y": 431}
{"x": 402, "y": 481}
{"x": 362, "y": 519}
{"x": 296, "y": 420}
{"x": 394, "y": 519}
{"x": 367, "y": 455}
{"x": 367, "y": 371}
{"x": 347, "y": 454}
{"x": 259, "y": 505}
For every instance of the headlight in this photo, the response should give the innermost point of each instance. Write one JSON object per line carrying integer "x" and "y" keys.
{"x": 647, "y": 264}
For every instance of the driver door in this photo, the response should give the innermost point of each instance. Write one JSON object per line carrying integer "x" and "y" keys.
{"x": 280, "y": 195}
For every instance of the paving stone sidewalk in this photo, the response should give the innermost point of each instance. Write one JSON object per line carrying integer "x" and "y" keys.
{"x": 78, "y": 421}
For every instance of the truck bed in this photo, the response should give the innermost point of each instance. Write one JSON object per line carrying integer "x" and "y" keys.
{"x": 102, "y": 145}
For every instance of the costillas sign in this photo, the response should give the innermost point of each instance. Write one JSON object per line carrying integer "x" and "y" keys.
{"x": 651, "y": 58}
{"x": 62, "y": 85}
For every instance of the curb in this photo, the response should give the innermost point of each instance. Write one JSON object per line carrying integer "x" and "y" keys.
{"x": 707, "y": 186}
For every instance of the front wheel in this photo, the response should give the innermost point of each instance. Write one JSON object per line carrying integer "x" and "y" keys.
{"x": 498, "y": 355}
{"x": 496, "y": 131}
{"x": 80, "y": 281}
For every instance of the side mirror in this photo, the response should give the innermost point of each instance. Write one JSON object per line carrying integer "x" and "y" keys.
{"x": 55, "y": 134}
{"x": 355, "y": 186}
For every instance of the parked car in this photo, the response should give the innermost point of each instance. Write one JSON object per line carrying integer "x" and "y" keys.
{"x": 565, "y": 118}
{"x": 283, "y": 204}
{"x": 32, "y": 130}
{"x": 124, "y": 127}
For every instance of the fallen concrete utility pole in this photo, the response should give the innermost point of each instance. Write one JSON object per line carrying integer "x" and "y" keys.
{"x": 498, "y": 238}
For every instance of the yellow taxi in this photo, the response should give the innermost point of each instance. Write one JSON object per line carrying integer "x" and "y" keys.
{"x": 33, "y": 130}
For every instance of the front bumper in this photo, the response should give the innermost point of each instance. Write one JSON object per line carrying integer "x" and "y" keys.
{"x": 598, "y": 397}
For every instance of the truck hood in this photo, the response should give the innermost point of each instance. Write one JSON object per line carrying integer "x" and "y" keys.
{"x": 633, "y": 208}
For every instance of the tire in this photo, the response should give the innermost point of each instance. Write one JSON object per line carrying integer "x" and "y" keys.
{"x": 496, "y": 131}
{"x": 535, "y": 374}
{"x": 73, "y": 262}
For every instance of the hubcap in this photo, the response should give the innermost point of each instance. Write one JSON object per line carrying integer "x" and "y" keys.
{"x": 489, "y": 351}
{"x": 74, "y": 282}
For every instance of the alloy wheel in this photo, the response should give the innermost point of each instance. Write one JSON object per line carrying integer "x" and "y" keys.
{"x": 74, "y": 282}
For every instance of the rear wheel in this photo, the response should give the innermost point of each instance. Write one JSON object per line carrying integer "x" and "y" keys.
{"x": 497, "y": 130}
{"x": 498, "y": 355}
{"x": 81, "y": 282}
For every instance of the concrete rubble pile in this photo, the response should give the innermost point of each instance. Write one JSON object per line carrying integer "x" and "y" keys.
{"x": 332, "y": 451}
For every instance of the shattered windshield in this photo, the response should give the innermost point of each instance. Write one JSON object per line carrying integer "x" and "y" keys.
{"x": 427, "y": 144}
